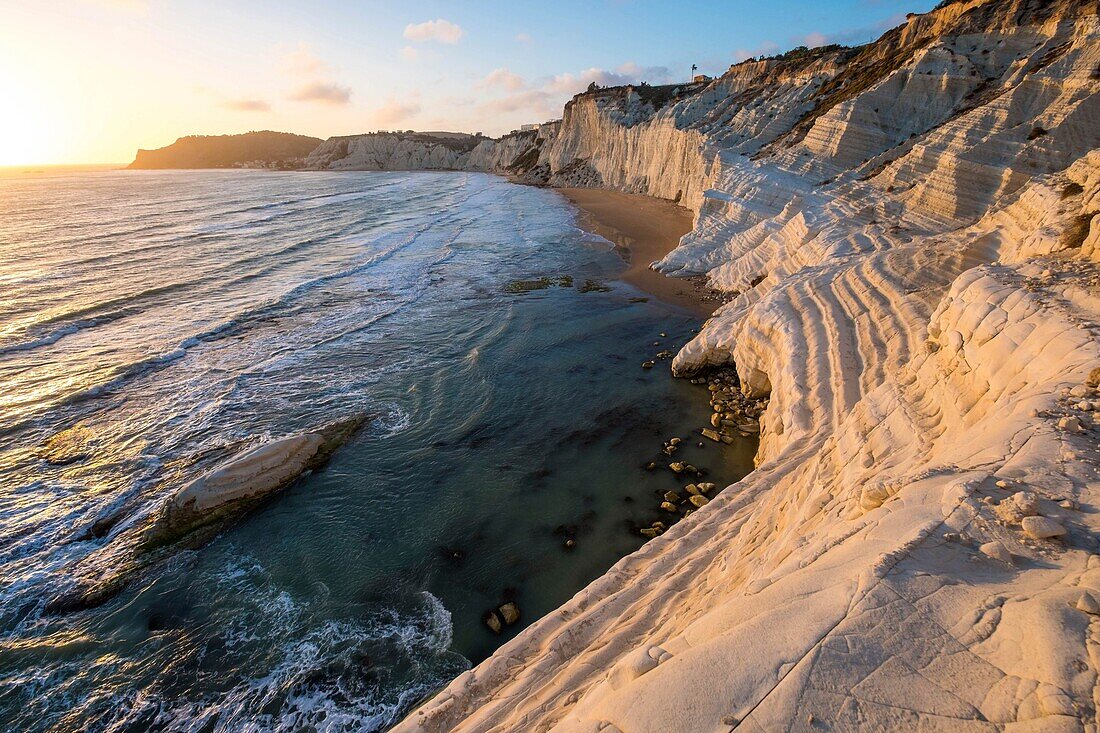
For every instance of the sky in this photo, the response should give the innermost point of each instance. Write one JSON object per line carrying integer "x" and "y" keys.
{"x": 91, "y": 81}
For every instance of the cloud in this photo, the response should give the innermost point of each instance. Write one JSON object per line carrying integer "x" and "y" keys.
{"x": 302, "y": 61}
{"x": 535, "y": 103}
{"x": 409, "y": 53}
{"x": 544, "y": 98}
{"x": 851, "y": 36}
{"x": 868, "y": 33}
{"x": 439, "y": 30}
{"x": 247, "y": 105}
{"x": 504, "y": 79}
{"x": 628, "y": 73}
{"x": 523, "y": 38}
{"x": 813, "y": 40}
{"x": 767, "y": 48}
{"x": 394, "y": 111}
{"x": 130, "y": 6}
{"x": 323, "y": 92}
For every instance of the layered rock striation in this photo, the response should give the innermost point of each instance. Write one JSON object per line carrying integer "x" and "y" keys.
{"x": 910, "y": 234}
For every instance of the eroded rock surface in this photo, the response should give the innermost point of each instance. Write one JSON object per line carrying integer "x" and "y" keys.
{"x": 908, "y": 232}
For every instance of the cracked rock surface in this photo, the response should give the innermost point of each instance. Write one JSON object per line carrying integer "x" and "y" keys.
{"x": 908, "y": 236}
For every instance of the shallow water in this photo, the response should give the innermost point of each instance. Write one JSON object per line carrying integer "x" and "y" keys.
{"x": 153, "y": 323}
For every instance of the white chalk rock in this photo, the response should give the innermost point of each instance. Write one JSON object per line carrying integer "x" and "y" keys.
{"x": 1041, "y": 528}
{"x": 1027, "y": 502}
{"x": 1070, "y": 423}
{"x": 997, "y": 551}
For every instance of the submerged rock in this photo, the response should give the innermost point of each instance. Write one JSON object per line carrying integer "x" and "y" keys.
{"x": 201, "y": 508}
{"x": 246, "y": 479}
{"x": 509, "y": 612}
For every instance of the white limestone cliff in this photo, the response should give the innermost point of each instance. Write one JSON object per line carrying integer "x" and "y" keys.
{"x": 911, "y": 233}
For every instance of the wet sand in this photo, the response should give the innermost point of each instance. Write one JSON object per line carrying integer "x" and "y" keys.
{"x": 643, "y": 229}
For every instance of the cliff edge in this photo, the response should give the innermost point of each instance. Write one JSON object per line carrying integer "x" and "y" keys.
{"x": 264, "y": 149}
{"x": 909, "y": 234}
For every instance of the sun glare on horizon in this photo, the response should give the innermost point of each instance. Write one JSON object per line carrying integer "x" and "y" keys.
{"x": 28, "y": 129}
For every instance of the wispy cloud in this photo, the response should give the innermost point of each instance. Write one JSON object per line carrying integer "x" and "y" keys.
{"x": 767, "y": 48}
{"x": 439, "y": 30}
{"x": 247, "y": 105}
{"x": 409, "y": 53}
{"x": 302, "y": 61}
{"x": 628, "y": 73}
{"x": 312, "y": 85}
{"x": 815, "y": 39}
{"x": 323, "y": 93}
{"x": 130, "y": 6}
{"x": 394, "y": 111}
{"x": 504, "y": 79}
{"x": 543, "y": 98}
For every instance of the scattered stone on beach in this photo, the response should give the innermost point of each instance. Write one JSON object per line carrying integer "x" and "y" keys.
{"x": 668, "y": 506}
{"x": 997, "y": 551}
{"x": 677, "y": 467}
{"x": 707, "y": 486}
{"x": 666, "y": 354}
{"x": 1042, "y": 528}
{"x": 509, "y": 612}
{"x": 494, "y": 621}
{"x": 699, "y": 500}
{"x": 692, "y": 489}
{"x": 651, "y": 466}
{"x": 1070, "y": 424}
{"x": 570, "y": 543}
{"x": 1026, "y": 502}
{"x": 673, "y": 497}
{"x": 648, "y": 364}
{"x": 712, "y": 434}
{"x": 674, "y": 441}
{"x": 650, "y": 532}
{"x": 663, "y": 335}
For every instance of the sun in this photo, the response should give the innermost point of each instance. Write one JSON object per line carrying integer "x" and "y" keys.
{"x": 28, "y": 122}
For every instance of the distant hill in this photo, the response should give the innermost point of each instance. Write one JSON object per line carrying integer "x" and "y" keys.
{"x": 265, "y": 149}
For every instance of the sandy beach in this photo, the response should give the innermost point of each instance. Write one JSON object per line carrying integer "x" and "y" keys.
{"x": 644, "y": 229}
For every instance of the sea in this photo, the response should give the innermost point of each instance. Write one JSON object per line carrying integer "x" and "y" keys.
{"x": 154, "y": 324}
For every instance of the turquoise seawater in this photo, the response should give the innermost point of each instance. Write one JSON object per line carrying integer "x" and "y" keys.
{"x": 161, "y": 321}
